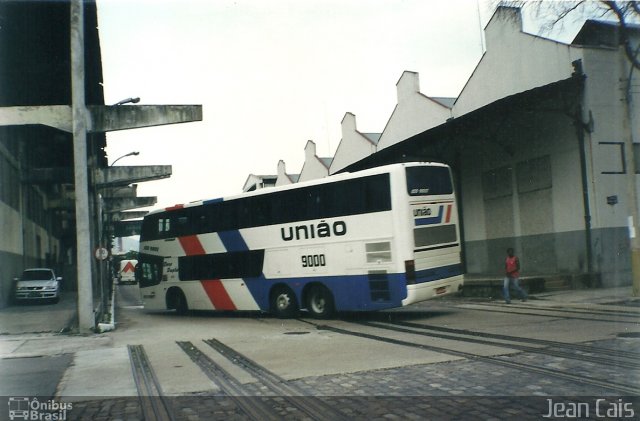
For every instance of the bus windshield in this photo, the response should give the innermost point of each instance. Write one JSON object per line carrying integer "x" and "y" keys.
{"x": 428, "y": 181}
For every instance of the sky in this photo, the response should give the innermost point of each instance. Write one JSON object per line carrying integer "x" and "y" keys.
{"x": 272, "y": 75}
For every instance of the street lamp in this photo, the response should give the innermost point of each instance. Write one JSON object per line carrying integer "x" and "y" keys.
{"x": 135, "y": 153}
{"x": 128, "y": 101}
{"x": 106, "y": 226}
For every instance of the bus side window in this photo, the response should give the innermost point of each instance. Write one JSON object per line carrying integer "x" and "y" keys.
{"x": 164, "y": 225}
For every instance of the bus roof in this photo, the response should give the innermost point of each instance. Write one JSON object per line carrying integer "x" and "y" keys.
{"x": 331, "y": 178}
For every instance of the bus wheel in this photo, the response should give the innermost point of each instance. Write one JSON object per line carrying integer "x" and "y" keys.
{"x": 283, "y": 303}
{"x": 178, "y": 301}
{"x": 320, "y": 302}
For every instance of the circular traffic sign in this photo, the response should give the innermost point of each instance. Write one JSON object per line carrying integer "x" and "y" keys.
{"x": 101, "y": 253}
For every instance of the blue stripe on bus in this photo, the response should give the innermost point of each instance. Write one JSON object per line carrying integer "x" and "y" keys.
{"x": 233, "y": 241}
{"x": 218, "y": 200}
{"x": 431, "y": 220}
{"x": 350, "y": 293}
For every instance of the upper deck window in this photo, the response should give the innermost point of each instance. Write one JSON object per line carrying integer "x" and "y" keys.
{"x": 428, "y": 181}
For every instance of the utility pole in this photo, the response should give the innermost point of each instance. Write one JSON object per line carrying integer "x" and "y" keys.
{"x": 86, "y": 319}
{"x": 630, "y": 166}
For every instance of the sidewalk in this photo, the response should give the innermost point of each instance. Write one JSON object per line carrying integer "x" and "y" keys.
{"x": 619, "y": 296}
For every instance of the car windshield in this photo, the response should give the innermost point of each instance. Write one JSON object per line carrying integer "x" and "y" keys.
{"x": 36, "y": 275}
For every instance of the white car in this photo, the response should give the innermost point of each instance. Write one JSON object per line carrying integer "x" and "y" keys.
{"x": 38, "y": 284}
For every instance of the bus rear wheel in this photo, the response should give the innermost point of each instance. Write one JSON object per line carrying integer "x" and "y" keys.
{"x": 320, "y": 302}
{"x": 283, "y": 303}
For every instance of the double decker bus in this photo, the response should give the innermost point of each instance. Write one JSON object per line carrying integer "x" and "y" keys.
{"x": 369, "y": 240}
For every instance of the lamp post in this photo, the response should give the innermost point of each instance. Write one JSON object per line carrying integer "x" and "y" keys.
{"x": 134, "y": 100}
{"x": 106, "y": 239}
{"x": 135, "y": 153}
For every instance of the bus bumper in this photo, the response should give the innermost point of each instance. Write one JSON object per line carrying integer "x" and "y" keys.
{"x": 432, "y": 289}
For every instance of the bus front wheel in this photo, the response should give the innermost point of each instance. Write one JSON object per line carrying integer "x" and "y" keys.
{"x": 178, "y": 301}
{"x": 283, "y": 303}
{"x": 320, "y": 302}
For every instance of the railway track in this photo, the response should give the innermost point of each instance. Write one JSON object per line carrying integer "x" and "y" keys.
{"x": 615, "y": 358}
{"x": 153, "y": 403}
{"x": 617, "y": 388}
{"x": 576, "y": 314}
{"x": 607, "y": 352}
{"x": 314, "y": 408}
{"x": 257, "y": 407}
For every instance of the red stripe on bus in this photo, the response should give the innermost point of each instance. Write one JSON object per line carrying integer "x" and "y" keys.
{"x": 191, "y": 245}
{"x": 448, "y": 213}
{"x": 218, "y": 295}
{"x": 174, "y": 207}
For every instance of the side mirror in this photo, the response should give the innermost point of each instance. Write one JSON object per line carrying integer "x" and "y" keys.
{"x": 59, "y": 279}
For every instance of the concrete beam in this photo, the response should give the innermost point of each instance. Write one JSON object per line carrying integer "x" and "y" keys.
{"x": 103, "y": 177}
{"x": 122, "y": 216}
{"x": 57, "y": 116}
{"x": 124, "y": 191}
{"x": 101, "y": 118}
{"x": 120, "y": 176}
{"x": 124, "y": 203}
{"x": 123, "y": 117}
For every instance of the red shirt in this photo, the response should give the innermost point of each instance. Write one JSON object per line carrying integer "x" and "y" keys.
{"x": 511, "y": 267}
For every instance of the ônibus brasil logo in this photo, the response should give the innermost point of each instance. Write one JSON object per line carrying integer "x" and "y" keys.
{"x": 22, "y": 408}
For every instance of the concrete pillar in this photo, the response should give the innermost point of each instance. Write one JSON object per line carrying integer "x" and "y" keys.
{"x": 86, "y": 319}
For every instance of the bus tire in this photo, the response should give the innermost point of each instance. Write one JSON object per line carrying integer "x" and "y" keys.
{"x": 320, "y": 302}
{"x": 178, "y": 301}
{"x": 283, "y": 303}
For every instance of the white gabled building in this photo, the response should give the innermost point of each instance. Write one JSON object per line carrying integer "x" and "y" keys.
{"x": 414, "y": 112}
{"x": 354, "y": 145}
{"x": 314, "y": 167}
{"x": 514, "y": 61}
{"x": 283, "y": 177}
{"x": 536, "y": 141}
{"x": 255, "y": 182}
{"x": 536, "y": 144}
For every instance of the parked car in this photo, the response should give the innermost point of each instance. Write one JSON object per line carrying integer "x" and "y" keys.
{"x": 38, "y": 284}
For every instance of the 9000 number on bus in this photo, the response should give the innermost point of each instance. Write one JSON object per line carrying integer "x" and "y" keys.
{"x": 315, "y": 260}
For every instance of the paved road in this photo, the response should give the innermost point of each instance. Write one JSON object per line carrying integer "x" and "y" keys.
{"x": 471, "y": 359}
{"x": 38, "y": 317}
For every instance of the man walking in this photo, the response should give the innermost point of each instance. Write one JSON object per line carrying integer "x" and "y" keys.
{"x": 512, "y": 272}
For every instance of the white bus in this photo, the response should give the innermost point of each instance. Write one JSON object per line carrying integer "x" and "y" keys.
{"x": 371, "y": 240}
